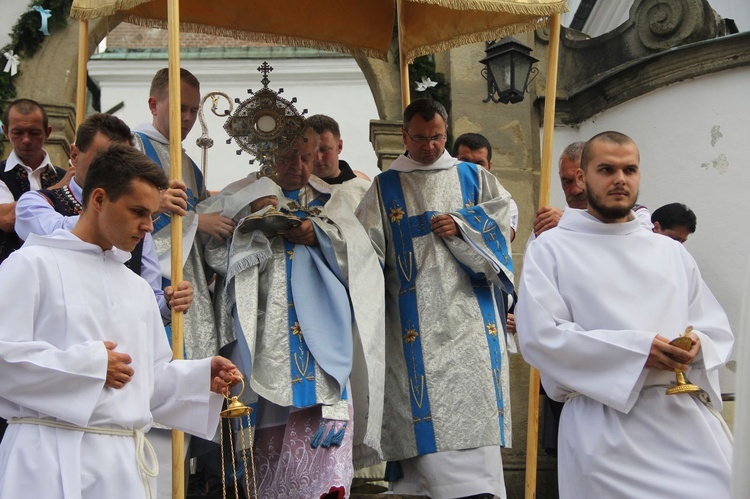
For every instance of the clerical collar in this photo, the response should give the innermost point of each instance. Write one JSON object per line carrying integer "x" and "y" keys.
{"x": 346, "y": 174}
{"x": 405, "y": 164}
{"x": 152, "y": 133}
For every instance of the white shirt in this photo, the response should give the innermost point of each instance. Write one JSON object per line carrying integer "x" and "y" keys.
{"x": 35, "y": 176}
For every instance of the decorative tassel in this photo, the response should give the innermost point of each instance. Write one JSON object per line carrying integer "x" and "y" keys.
{"x": 338, "y": 438}
{"x": 329, "y": 438}
{"x": 315, "y": 442}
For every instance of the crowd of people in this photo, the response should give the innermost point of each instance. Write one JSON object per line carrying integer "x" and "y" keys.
{"x": 371, "y": 326}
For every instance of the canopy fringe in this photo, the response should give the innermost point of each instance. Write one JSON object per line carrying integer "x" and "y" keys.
{"x": 483, "y": 36}
{"x": 508, "y": 7}
{"x": 270, "y": 39}
{"x": 105, "y": 10}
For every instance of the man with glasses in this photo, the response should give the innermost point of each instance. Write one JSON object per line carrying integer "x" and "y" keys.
{"x": 441, "y": 230}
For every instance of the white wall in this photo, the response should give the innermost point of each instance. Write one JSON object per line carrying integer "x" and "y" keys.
{"x": 694, "y": 139}
{"x": 335, "y": 87}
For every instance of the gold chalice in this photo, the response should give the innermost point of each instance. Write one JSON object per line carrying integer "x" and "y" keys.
{"x": 682, "y": 386}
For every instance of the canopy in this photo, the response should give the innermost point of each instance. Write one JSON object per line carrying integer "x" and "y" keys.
{"x": 356, "y": 27}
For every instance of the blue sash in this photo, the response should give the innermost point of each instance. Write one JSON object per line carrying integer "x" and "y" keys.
{"x": 404, "y": 228}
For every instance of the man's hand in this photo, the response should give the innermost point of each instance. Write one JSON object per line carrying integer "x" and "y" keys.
{"x": 179, "y": 300}
{"x": 261, "y": 203}
{"x": 547, "y": 218}
{"x": 444, "y": 226}
{"x": 216, "y": 226}
{"x": 666, "y": 357}
{"x": 302, "y": 234}
{"x": 510, "y": 323}
{"x": 224, "y": 375}
{"x": 69, "y": 173}
{"x": 174, "y": 198}
{"x": 119, "y": 373}
{"x": 8, "y": 216}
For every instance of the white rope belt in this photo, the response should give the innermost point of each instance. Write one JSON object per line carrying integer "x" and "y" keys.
{"x": 144, "y": 452}
{"x": 701, "y": 395}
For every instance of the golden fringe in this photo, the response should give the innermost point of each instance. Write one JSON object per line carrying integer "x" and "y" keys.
{"x": 507, "y": 6}
{"x": 104, "y": 11}
{"x": 260, "y": 37}
{"x": 483, "y": 36}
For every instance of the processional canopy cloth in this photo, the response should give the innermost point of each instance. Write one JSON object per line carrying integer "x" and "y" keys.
{"x": 355, "y": 27}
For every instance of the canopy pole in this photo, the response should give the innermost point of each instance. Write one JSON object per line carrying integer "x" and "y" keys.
{"x": 532, "y": 430}
{"x": 403, "y": 64}
{"x": 175, "y": 172}
{"x": 83, "y": 56}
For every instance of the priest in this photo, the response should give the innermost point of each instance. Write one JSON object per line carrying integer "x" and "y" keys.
{"x": 441, "y": 229}
{"x": 600, "y": 300}
{"x": 303, "y": 302}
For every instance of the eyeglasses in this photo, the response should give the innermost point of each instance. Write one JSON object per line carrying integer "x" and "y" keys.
{"x": 424, "y": 140}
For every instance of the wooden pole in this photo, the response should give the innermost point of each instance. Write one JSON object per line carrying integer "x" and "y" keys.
{"x": 404, "y": 66}
{"x": 83, "y": 57}
{"x": 175, "y": 172}
{"x": 532, "y": 431}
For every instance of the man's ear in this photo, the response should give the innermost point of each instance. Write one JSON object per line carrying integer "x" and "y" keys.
{"x": 580, "y": 182}
{"x": 341, "y": 146}
{"x": 5, "y": 131}
{"x": 97, "y": 199}
{"x": 152, "y": 102}
{"x": 48, "y": 133}
{"x": 657, "y": 228}
{"x": 74, "y": 153}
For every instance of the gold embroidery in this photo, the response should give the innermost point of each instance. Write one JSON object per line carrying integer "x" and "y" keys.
{"x": 408, "y": 264}
{"x": 418, "y": 392}
{"x": 396, "y": 214}
{"x": 297, "y": 330}
{"x": 306, "y": 364}
{"x": 411, "y": 335}
{"x": 291, "y": 254}
{"x": 492, "y": 329}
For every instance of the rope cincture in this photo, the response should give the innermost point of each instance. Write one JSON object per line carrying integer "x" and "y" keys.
{"x": 144, "y": 452}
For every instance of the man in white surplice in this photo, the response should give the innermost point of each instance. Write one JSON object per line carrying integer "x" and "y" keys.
{"x": 85, "y": 362}
{"x": 441, "y": 230}
{"x": 600, "y": 299}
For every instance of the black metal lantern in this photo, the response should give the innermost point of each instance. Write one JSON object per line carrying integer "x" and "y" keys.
{"x": 508, "y": 66}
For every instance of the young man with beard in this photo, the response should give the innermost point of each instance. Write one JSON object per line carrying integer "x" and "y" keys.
{"x": 600, "y": 300}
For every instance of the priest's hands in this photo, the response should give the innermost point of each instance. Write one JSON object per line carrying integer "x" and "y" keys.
{"x": 666, "y": 357}
{"x": 547, "y": 217}
{"x": 224, "y": 375}
{"x": 302, "y": 234}
{"x": 444, "y": 226}
{"x": 119, "y": 373}
{"x": 179, "y": 300}
{"x": 216, "y": 226}
{"x": 174, "y": 198}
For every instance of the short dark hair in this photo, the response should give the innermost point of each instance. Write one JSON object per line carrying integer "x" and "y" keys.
{"x": 427, "y": 109}
{"x": 25, "y": 107}
{"x": 320, "y": 123}
{"x": 609, "y": 136}
{"x": 160, "y": 82}
{"x": 475, "y": 142}
{"x": 108, "y": 125}
{"x": 674, "y": 215}
{"x": 115, "y": 168}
